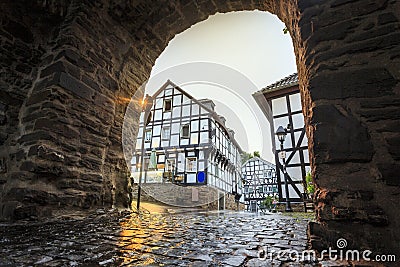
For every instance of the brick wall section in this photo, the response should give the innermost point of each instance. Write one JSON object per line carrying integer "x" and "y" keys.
{"x": 69, "y": 66}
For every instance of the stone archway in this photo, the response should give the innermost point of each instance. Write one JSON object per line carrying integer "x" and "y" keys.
{"x": 69, "y": 68}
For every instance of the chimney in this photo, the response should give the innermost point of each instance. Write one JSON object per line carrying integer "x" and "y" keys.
{"x": 208, "y": 103}
{"x": 222, "y": 119}
{"x": 232, "y": 133}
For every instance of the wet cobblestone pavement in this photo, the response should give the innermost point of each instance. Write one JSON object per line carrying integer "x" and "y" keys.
{"x": 127, "y": 239}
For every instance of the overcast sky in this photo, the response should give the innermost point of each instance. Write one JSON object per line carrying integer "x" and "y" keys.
{"x": 226, "y": 58}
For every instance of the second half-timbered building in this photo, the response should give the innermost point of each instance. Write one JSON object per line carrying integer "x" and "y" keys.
{"x": 187, "y": 143}
{"x": 281, "y": 104}
{"x": 259, "y": 181}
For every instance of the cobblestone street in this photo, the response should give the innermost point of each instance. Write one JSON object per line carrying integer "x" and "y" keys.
{"x": 126, "y": 239}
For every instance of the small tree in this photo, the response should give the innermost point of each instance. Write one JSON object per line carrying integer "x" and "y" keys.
{"x": 246, "y": 156}
{"x": 285, "y": 30}
{"x": 268, "y": 202}
{"x": 310, "y": 184}
{"x": 256, "y": 154}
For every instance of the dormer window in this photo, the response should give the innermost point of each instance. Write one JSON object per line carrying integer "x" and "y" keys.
{"x": 167, "y": 105}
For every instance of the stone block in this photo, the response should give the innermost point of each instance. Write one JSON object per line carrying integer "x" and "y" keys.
{"x": 91, "y": 163}
{"x": 91, "y": 82}
{"x": 76, "y": 60}
{"x": 372, "y": 33}
{"x": 27, "y": 166}
{"x": 393, "y": 145}
{"x": 60, "y": 67}
{"x": 19, "y": 31}
{"x": 68, "y": 183}
{"x": 380, "y": 102}
{"x": 7, "y": 209}
{"x": 23, "y": 68}
{"x": 3, "y": 119}
{"x": 56, "y": 127}
{"x": 38, "y": 97}
{"x": 36, "y": 136}
{"x": 389, "y": 126}
{"x": 376, "y": 216}
{"x": 339, "y": 137}
{"x": 75, "y": 86}
{"x": 3, "y": 165}
{"x": 361, "y": 194}
{"x": 28, "y": 195}
{"x": 346, "y": 83}
{"x": 107, "y": 80}
{"x": 382, "y": 114}
{"x": 387, "y": 18}
{"x": 31, "y": 212}
{"x": 390, "y": 173}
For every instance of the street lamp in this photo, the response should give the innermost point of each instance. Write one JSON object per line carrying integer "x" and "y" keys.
{"x": 147, "y": 103}
{"x": 281, "y": 134}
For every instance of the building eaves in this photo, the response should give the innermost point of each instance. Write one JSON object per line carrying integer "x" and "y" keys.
{"x": 286, "y": 82}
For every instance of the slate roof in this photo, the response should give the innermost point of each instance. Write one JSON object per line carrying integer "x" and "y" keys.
{"x": 286, "y": 82}
{"x": 259, "y": 159}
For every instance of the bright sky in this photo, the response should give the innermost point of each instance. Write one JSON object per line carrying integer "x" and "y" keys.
{"x": 226, "y": 58}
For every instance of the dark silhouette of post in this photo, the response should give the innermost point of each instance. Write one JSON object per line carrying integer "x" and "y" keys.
{"x": 281, "y": 134}
{"x": 147, "y": 103}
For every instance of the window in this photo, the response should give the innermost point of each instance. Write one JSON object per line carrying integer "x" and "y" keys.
{"x": 191, "y": 164}
{"x": 167, "y": 105}
{"x": 161, "y": 158}
{"x": 170, "y": 166}
{"x": 185, "y": 131}
{"x": 165, "y": 133}
{"x": 267, "y": 173}
{"x": 147, "y": 137}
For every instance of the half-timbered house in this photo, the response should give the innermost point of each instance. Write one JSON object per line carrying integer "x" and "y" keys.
{"x": 259, "y": 181}
{"x": 281, "y": 104}
{"x": 187, "y": 143}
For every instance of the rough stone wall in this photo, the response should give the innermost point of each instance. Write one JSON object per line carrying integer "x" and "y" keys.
{"x": 175, "y": 195}
{"x": 231, "y": 204}
{"x": 69, "y": 67}
{"x": 64, "y": 104}
{"x": 349, "y": 74}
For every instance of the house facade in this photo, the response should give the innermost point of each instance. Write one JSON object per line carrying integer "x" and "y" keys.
{"x": 281, "y": 104}
{"x": 187, "y": 144}
{"x": 259, "y": 181}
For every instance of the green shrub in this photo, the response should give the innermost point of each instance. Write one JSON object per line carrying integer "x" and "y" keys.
{"x": 310, "y": 184}
{"x": 267, "y": 203}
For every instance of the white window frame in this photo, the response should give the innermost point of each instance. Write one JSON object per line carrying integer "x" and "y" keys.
{"x": 147, "y": 138}
{"x": 193, "y": 161}
{"x": 216, "y": 170}
{"x": 182, "y": 131}
{"x": 165, "y": 133}
{"x": 170, "y": 164}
